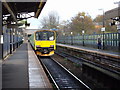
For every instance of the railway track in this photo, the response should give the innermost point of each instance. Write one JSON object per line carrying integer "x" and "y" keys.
{"x": 111, "y": 62}
{"x": 91, "y": 71}
{"x": 105, "y": 64}
{"x": 61, "y": 76}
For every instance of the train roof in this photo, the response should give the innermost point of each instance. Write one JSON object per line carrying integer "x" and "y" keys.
{"x": 44, "y": 30}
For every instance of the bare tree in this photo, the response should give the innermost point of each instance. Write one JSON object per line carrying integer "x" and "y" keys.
{"x": 51, "y": 21}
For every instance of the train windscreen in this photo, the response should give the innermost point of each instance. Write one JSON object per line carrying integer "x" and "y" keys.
{"x": 45, "y": 35}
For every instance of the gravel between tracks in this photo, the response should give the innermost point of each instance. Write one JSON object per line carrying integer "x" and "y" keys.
{"x": 75, "y": 69}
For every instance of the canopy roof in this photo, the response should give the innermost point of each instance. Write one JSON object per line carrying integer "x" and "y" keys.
{"x": 15, "y": 11}
{"x": 112, "y": 13}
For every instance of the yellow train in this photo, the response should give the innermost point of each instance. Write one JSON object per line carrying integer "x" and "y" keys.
{"x": 43, "y": 42}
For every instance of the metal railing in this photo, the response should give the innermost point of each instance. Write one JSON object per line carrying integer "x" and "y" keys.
{"x": 111, "y": 41}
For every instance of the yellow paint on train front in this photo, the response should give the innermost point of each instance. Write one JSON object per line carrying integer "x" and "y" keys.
{"x": 39, "y": 44}
{"x": 45, "y": 43}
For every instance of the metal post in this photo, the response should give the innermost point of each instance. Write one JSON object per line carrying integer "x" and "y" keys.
{"x": 1, "y": 45}
{"x": 83, "y": 31}
{"x": 13, "y": 33}
{"x": 103, "y": 41}
{"x": 83, "y": 37}
{"x": 83, "y": 40}
{"x": 71, "y": 38}
{"x": 64, "y": 38}
{"x": 17, "y": 38}
{"x": 118, "y": 27}
{"x": 103, "y": 28}
{"x": 82, "y": 17}
{"x": 103, "y": 32}
{"x": 10, "y": 41}
{"x": 1, "y": 33}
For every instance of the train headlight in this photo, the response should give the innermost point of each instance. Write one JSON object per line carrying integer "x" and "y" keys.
{"x": 51, "y": 45}
{"x": 37, "y": 46}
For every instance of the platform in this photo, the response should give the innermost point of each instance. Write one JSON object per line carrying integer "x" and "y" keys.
{"x": 23, "y": 70}
{"x": 92, "y": 50}
{"x": 37, "y": 76}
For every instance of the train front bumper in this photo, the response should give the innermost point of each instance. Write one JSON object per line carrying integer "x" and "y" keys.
{"x": 45, "y": 51}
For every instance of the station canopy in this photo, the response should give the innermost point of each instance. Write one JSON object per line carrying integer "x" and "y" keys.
{"x": 16, "y": 11}
{"x": 112, "y": 13}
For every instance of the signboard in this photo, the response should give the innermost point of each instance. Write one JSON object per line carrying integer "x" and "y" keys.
{"x": 103, "y": 29}
{"x": 118, "y": 26}
{"x": 1, "y": 39}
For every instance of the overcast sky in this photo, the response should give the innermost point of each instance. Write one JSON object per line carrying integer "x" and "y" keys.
{"x": 69, "y": 8}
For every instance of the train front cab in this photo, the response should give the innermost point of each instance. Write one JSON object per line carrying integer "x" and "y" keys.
{"x": 45, "y": 43}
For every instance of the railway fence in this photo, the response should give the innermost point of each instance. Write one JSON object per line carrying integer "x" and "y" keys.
{"x": 111, "y": 40}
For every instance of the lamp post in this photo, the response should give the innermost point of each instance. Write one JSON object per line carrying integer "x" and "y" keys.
{"x": 118, "y": 25}
{"x": 82, "y": 17}
{"x": 13, "y": 33}
{"x": 103, "y": 29}
{"x": 1, "y": 34}
{"x": 64, "y": 37}
{"x": 11, "y": 41}
{"x": 17, "y": 38}
{"x": 83, "y": 36}
{"x": 71, "y": 38}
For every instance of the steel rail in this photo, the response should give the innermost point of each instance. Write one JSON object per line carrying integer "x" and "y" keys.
{"x": 81, "y": 60}
{"x": 63, "y": 77}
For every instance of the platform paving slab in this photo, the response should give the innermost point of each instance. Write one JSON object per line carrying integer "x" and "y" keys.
{"x": 15, "y": 69}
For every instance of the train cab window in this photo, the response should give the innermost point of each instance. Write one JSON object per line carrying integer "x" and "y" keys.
{"x": 51, "y": 38}
{"x": 46, "y": 35}
{"x": 37, "y": 36}
{"x": 51, "y": 35}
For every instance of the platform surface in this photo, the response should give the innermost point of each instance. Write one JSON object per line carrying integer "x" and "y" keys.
{"x": 15, "y": 69}
{"x": 23, "y": 70}
{"x": 37, "y": 76}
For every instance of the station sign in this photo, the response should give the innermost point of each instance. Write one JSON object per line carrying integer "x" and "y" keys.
{"x": 1, "y": 39}
{"x": 103, "y": 29}
{"x": 118, "y": 26}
